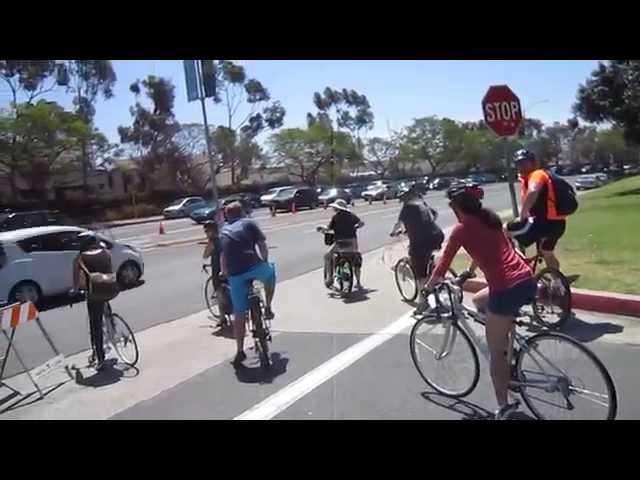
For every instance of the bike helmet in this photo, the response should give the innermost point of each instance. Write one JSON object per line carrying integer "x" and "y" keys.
{"x": 523, "y": 155}
{"x": 515, "y": 228}
{"x": 466, "y": 190}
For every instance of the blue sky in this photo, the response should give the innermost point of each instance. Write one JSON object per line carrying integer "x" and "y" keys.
{"x": 397, "y": 90}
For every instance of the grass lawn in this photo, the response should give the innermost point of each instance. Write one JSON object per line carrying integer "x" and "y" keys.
{"x": 602, "y": 241}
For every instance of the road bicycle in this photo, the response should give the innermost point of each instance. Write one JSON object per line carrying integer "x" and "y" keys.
{"x": 259, "y": 326}
{"x": 344, "y": 261}
{"x": 404, "y": 274}
{"x": 556, "y": 375}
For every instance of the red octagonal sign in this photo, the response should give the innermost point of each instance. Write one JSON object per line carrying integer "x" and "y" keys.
{"x": 502, "y": 112}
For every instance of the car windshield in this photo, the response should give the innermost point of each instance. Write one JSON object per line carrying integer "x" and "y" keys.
{"x": 287, "y": 192}
{"x": 177, "y": 202}
{"x": 329, "y": 192}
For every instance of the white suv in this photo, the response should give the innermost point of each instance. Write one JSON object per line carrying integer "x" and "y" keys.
{"x": 38, "y": 262}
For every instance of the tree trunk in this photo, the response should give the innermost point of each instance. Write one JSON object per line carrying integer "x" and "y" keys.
{"x": 85, "y": 168}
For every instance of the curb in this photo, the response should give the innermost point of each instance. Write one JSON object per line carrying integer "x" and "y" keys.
{"x": 591, "y": 300}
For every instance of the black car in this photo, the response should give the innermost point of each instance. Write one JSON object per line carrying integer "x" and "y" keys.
{"x": 37, "y": 218}
{"x": 302, "y": 197}
{"x": 330, "y": 195}
{"x": 356, "y": 189}
{"x": 441, "y": 183}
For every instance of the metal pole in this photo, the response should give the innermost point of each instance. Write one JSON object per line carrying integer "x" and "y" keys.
{"x": 510, "y": 178}
{"x": 212, "y": 166}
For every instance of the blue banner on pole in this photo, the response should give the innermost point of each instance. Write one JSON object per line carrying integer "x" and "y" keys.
{"x": 191, "y": 76}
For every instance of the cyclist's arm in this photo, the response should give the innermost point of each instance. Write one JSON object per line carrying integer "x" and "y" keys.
{"x": 450, "y": 251}
{"x": 397, "y": 227}
{"x": 264, "y": 250}
{"x": 530, "y": 200}
{"x": 223, "y": 265}
{"x": 208, "y": 250}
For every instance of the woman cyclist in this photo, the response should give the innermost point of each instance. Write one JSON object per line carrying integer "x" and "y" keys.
{"x": 510, "y": 280}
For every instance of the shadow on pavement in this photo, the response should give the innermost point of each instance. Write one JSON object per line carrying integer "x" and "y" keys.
{"x": 107, "y": 376}
{"x": 22, "y": 402}
{"x": 586, "y": 332}
{"x": 60, "y": 301}
{"x": 358, "y": 296}
{"x": 224, "y": 332}
{"x": 256, "y": 374}
{"x": 468, "y": 410}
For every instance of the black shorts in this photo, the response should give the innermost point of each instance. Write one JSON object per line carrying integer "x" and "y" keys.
{"x": 544, "y": 233}
{"x": 509, "y": 301}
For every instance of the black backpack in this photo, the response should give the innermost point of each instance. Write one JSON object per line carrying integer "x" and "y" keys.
{"x": 566, "y": 198}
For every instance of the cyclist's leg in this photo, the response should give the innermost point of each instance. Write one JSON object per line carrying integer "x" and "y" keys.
{"x": 419, "y": 257}
{"x": 501, "y": 310}
{"x": 553, "y": 233}
{"x": 481, "y": 300}
{"x": 96, "y": 312}
{"x": 266, "y": 273}
{"x": 239, "y": 291}
{"x": 328, "y": 261}
{"x": 357, "y": 262}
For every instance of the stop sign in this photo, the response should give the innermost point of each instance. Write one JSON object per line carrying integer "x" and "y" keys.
{"x": 502, "y": 112}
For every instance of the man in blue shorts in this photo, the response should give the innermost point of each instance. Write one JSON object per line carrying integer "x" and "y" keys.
{"x": 241, "y": 264}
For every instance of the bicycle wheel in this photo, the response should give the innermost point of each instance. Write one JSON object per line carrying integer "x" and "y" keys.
{"x": 405, "y": 280}
{"x": 561, "y": 379}
{"x": 260, "y": 335}
{"x": 552, "y": 305}
{"x": 344, "y": 274}
{"x": 444, "y": 356}
{"x": 211, "y": 299}
{"x": 122, "y": 339}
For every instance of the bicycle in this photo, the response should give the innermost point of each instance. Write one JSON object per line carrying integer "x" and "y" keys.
{"x": 117, "y": 336}
{"x": 259, "y": 325}
{"x": 534, "y": 373}
{"x": 405, "y": 276}
{"x": 212, "y": 301}
{"x": 344, "y": 261}
{"x": 553, "y": 290}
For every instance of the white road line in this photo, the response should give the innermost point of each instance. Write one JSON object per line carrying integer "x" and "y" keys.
{"x": 279, "y": 401}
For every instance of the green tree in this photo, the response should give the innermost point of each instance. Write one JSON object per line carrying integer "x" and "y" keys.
{"x": 421, "y": 141}
{"x": 153, "y": 130}
{"x": 88, "y": 80}
{"x": 46, "y": 136}
{"x": 612, "y": 94}
{"x": 382, "y": 154}
{"x": 235, "y": 89}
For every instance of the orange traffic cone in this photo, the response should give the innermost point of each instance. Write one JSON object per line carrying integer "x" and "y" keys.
{"x": 293, "y": 207}
{"x": 161, "y": 229}
{"x": 273, "y": 210}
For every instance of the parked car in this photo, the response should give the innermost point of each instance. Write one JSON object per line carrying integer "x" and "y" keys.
{"x": 330, "y": 195}
{"x": 183, "y": 207}
{"x": 380, "y": 190}
{"x": 38, "y": 218}
{"x": 302, "y": 197}
{"x": 631, "y": 169}
{"x": 239, "y": 197}
{"x": 441, "y": 183}
{"x": 586, "y": 182}
{"x": 36, "y": 263}
{"x": 271, "y": 194}
{"x": 202, "y": 214}
{"x": 355, "y": 189}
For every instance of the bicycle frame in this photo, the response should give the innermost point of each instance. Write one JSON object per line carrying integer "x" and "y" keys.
{"x": 459, "y": 314}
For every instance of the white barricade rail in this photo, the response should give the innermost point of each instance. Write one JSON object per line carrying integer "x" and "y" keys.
{"x": 11, "y": 318}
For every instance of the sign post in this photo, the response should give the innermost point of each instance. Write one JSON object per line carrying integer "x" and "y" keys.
{"x": 200, "y": 80}
{"x": 503, "y": 115}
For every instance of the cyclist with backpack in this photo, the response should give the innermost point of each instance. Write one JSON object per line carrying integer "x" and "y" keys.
{"x": 425, "y": 236}
{"x": 93, "y": 271}
{"x": 547, "y": 199}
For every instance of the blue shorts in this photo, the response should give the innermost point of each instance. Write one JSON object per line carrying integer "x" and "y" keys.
{"x": 509, "y": 301}
{"x": 239, "y": 284}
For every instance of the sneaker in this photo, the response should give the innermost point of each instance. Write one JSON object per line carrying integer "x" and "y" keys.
{"x": 239, "y": 358}
{"x": 100, "y": 365}
{"x": 268, "y": 314}
{"x": 505, "y": 412}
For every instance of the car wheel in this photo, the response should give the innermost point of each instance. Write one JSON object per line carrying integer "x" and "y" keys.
{"x": 26, "y": 291}
{"x": 129, "y": 274}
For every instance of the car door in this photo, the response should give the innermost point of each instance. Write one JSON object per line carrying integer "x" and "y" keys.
{"x": 55, "y": 261}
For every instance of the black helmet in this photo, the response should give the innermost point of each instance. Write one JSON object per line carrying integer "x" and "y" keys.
{"x": 87, "y": 240}
{"x": 523, "y": 155}
{"x": 466, "y": 190}
{"x": 412, "y": 191}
